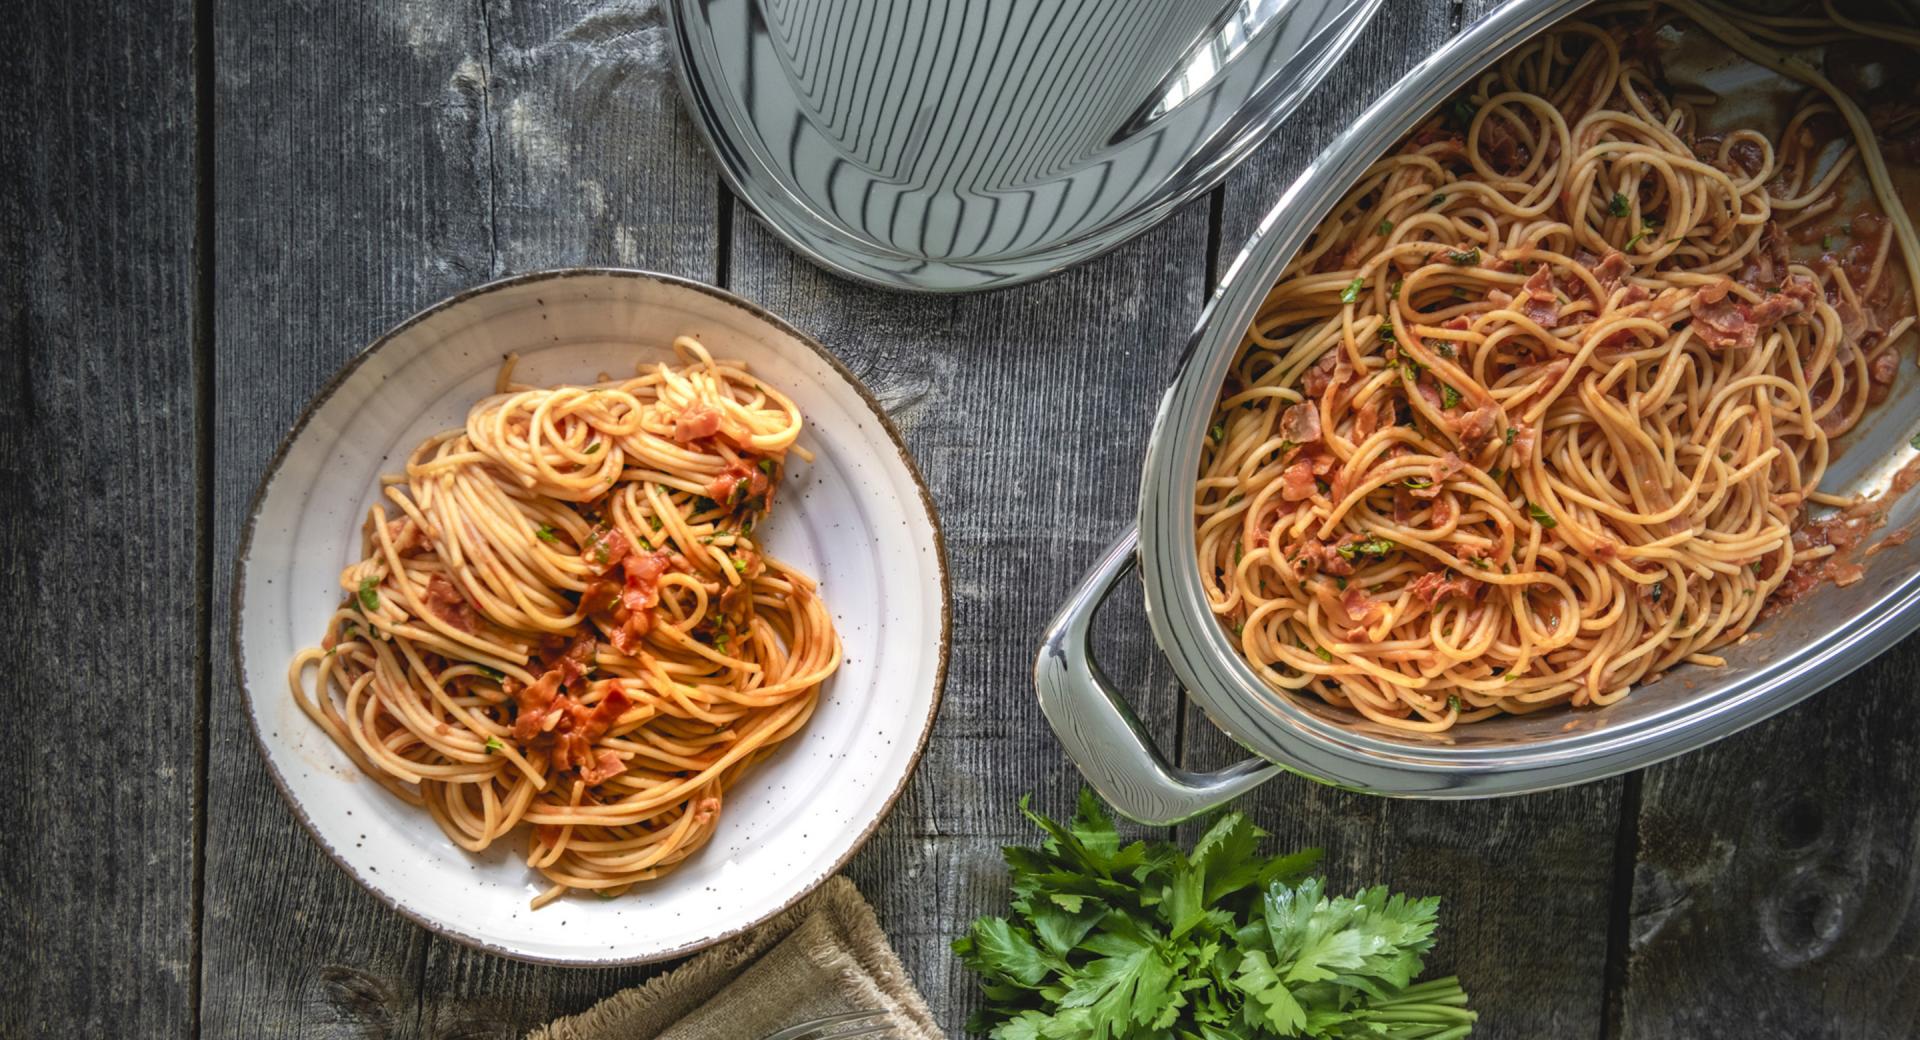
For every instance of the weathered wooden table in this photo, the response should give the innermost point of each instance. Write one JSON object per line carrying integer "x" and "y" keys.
{"x": 207, "y": 208}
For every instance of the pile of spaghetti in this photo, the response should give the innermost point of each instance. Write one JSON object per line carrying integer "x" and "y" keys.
{"x": 1539, "y": 411}
{"x": 566, "y": 621}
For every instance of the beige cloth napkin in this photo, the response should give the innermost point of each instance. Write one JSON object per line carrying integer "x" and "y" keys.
{"x": 823, "y": 956}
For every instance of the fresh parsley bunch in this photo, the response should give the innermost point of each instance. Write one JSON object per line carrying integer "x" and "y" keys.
{"x": 1127, "y": 942}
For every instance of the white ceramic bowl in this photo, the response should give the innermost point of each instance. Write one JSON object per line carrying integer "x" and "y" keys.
{"x": 858, "y": 518}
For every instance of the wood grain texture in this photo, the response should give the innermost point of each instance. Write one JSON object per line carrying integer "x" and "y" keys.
{"x": 1525, "y": 882}
{"x": 99, "y": 551}
{"x": 1027, "y": 410}
{"x": 1775, "y": 887}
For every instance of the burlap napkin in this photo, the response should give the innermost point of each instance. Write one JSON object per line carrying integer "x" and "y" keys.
{"x": 824, "y": 956}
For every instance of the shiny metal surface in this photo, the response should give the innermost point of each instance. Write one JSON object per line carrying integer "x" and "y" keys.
{"x": 1802, "y": 650}
{"x": 1098, "y": 728}
{"x": 979, "y": 143}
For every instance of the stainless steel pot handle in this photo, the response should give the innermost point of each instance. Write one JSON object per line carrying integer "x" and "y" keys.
{"x": 1099, "y": 730}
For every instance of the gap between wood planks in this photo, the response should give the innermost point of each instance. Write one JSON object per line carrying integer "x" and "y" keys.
{"x": 203, "y": 400}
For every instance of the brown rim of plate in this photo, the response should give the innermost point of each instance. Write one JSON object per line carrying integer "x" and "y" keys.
{"x": 245, "y": 546}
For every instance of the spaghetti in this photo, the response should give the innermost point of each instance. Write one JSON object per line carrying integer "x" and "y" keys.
{"x": 566, "y": 620}
{"x": 1539, "y": 411}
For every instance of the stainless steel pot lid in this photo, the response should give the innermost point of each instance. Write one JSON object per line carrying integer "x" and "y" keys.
{"x": 964, "y": 145}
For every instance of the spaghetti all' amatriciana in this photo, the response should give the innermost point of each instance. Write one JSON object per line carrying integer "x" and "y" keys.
{"x": 1540, "y": 410}
{"x": 564, "y": 618}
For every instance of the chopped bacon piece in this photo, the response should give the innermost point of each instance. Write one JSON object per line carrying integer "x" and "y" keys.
{"x": 1539, "y": 302}
{"x": 604, "y": 549}
{"x": 1846, "y": 574}
{"x": 578, "y": 659}
{"x": 1476, "y": 428}
{"x": 1367, "y": 419}
{"x": 1612, "y": 270}
{"x": 1721, "y": 320}
{"x": 1329, "y": 372}
{"x": 1503, "y": 150}
{"x": 1524, "y": 437}
{"x": 1297, "y": 483}
{"x": 1635, "y": 294}
{"x": 406, "y": 536}
{"x": 643, "y": 571}
{"x": 1316, "y": 555}
{"x": 534, "y": 704}
{"x": 1882, "y": 367}
{"x": 695, "y": 423}
{"x": 594, "y": 724}
{"x": 1403, "y": 505}
{"x": 740, "y": 474}
{"x": 1361, "y": 608}
{"x": 1458, "y": 323}
{"x": 1301, "y": 423}
{"x": 1766, "y": 266}
{"x": 448, "y": 605}
{"x": 1792, "y": 298}
{"x": 606, "y": 765}
{"x": 1436, "y": 585}
{"x": 601, "y": 594}
{"x": 1442, "y": 468}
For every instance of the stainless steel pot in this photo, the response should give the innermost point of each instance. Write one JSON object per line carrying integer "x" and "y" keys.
{"x": 1804, "y": 649}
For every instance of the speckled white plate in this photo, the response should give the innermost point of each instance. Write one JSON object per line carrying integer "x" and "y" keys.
{"x": 858, "y": 518}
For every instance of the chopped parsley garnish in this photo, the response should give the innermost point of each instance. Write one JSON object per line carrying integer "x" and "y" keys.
{"x": 1480, "y": 562}
{"x": 370, "y": 593}
{"x": 1393, "y": 291}
{"x": 1375, "y": 546}
{"x": 1459, "y": 292}
{"x": 1619, "y": 207}
{"x": 1915, "y": 442}
{"x": 1417, "y": 482}
{"x": 1647, "y": 224}
{"x": 1449, "y": 397}
{"x": 1218, "y": 433}
{"x": 1238, "y": 550}
{"x": 740, "y": 566}
{"x": 1463, "y": 113}
{"x": 766, "y": 466}
{"x": 1386, "y": 330}
{"x": 1439, "y": 197}
{"x": 1323, "y": 653}
{"x": 594, "y": 447}
{"x": 1351, "y": 294}
{"x": 1385, "y": 228}
{"x": 1464, "y": 257}
{"x": 1659, "y": 589}
{"x": 1411, "y": 369}
{"x": 493, "y": 744}
{"x": 546, "y": 533}
{"x": 1541, "y": 516}
{"x": 1453, "y": 703}
{"x": 1511, "y": 432}
{"x": 1443, "y": 348}
{"x": 492, "y": 673}
{"x": 1826, "y": 241}
{"x": 655, "y": 521}
{"x": 1340, "y": 583}
{"x": 702, "y": 504}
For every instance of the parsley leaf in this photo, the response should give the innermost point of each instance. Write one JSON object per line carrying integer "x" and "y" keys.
{"x": 546, "y": 533}
{"x": 1619, "y": 206}
{"x": 1385, "y": 228}
{"x": 1351, "y": 294}
{"x": 1464, "y": 257}
{"x": 1541, "y": 516}
{"x": 1129, "y": 941}
{"x": 370, "y": 593}
{"x": 1449, "y": 397}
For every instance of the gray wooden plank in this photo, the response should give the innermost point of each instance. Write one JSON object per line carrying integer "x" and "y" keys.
{"x": 1775, "y": 885}
{"x": 372, "y": 160}
{"x": 1525, "y": 882}
{"x": 1027, "y": 410}
{"x": 98, "y": 548}
{"x": 351, "y": 181}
